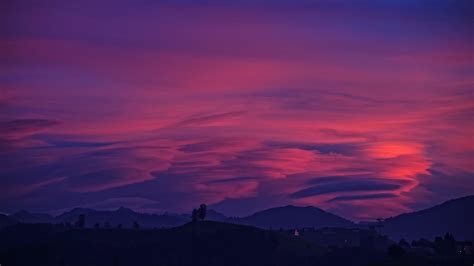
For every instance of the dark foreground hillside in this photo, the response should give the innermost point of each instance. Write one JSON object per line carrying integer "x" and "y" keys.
{"x": 201, "y": 243}
{"x": 454, "y": 216}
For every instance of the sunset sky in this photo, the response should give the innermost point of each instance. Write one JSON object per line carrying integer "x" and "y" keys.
{"x": 362, "y": 108}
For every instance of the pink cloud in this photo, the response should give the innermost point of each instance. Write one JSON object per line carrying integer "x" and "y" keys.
{"x": 249, "y": 103}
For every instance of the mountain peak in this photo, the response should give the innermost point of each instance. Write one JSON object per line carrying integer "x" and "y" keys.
{"x": 292, "y": 209}
{"x": 291, "y": 216}
{"x": 308, "y": 207}
{"x": 450, "y": 216}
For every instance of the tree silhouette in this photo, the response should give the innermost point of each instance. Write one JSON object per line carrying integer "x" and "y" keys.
{"x": 446, "y": 245}
{"x": 395, "y": 251}
{"x": 450, "y": 243}
{"x": 136, "y": 226}
{"x": 195, "y": 215}
{"x": 97, "y": 226}
{"x": 202, "y": 211}
{"x": 403, "y": 242}
{"x": 82, "y": 221}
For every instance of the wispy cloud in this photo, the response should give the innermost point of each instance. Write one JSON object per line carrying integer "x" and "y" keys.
{"x": 348, "y": 107}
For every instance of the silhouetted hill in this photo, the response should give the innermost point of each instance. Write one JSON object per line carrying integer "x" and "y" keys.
{"x": 244, "y": 233}
{"x": 26, "y": 217}
{"x": 72, "y": 215}
{"x": 289, "y": 217}
{"x": 204, "y": 243}
{"x": 123, "y": 216}
{"x": 454, "y": 216}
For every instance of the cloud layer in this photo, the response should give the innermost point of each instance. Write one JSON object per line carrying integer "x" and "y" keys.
{"x": 364, "y": 110}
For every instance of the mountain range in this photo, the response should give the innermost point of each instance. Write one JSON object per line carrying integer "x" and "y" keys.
{"x": 289, "y": 217}
{"x": 454, "y": 216}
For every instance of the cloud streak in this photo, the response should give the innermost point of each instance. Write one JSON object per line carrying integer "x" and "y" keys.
{"x": 243, "y": 106}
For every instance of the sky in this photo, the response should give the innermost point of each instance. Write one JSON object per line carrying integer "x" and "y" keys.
{"x": 361, "y": 108}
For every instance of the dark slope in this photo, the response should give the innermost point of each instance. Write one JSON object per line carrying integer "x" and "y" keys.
{"x": 454, "y": 216}
{"x": 205, "y": 243}
{"x": 198, "y": 244}
{"x": 289, "y": 217}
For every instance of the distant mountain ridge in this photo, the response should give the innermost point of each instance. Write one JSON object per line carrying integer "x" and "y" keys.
{"x": 27, "y": 217}
{"x": 454, "y": 216}
{"x": 290, "y": 217}
{"x": 123, "y": 216}
{"x": 287, "y": 217}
